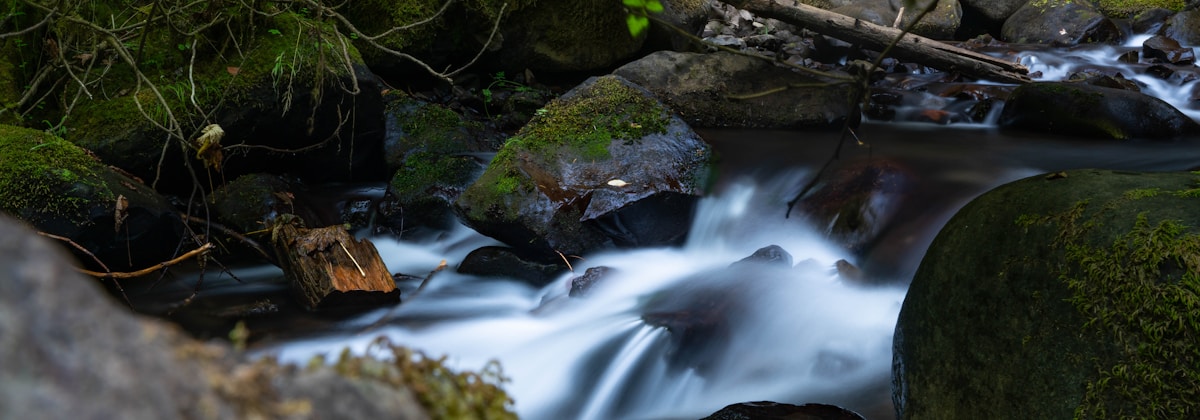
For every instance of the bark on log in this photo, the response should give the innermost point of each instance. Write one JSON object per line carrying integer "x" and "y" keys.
{"x": 329, "y": 268}
{"x": 913, "y": 48}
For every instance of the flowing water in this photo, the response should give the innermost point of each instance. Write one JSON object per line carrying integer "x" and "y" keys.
{"x": 794, "y": 335}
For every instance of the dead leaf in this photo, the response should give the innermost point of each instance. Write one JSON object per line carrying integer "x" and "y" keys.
{"x": 233, "y": 71}
{"x": 1057, "y": 175}
{"x": 121, "y": 212}
{"x": 208, "y": 146}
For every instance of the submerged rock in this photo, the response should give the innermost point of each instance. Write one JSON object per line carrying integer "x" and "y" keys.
{"x": 858, "y": 201}
{"x": 498, "y": 261}
{"x": 1079, "y": 109}
{"x": 606, "y": 165}
{"x": 767, "y": 410}
{"x": 1056, "y": 297}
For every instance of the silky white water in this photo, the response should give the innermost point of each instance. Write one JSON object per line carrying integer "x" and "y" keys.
{"x": 793, "y": 335}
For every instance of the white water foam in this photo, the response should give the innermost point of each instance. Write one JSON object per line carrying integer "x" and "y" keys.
{"x": 792, "y": 335}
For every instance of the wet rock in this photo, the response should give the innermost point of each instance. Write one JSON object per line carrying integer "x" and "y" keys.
{"x": 60, "y": 189}
{"x": 940, "y": 23}
{"x": 699, "y": 86}
{"x": 1077, "y": 109}
{"x": 251, "y": 202}
{"x": 1060, "y": 22}
{"x": 1184, "y": 27}
{"x": 1150, "y": 21}
{"x": 68, "y": 349}
{"x": 774, "y": 255}
{"x": 606, "y": 165}
{"x": 857, "y": 202}
{"x": 767, "y": 410}
{"x": 581, "y": 286}
{"x": 498, "y": 261}
{"x": 1162, "y": 49}
{"x": 1021, "y": 306}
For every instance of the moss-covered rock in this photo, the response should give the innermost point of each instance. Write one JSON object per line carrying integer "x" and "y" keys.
{"x": 605, "y": 164}
{"x": 1130, "y": 8}
{"x": 61, "y": 189}
{"x": 1060, "y": 22}
{"x": 1067, "y": 295}
{"x": 1080, "y": 109}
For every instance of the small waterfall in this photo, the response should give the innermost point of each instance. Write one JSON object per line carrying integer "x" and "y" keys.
{"x": 794, "y": 335}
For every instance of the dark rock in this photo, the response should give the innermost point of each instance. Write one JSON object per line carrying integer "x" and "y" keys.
{"x": 60, "y": 189}
{"x": 498, "y": 261}
{"x": 773, "y": 255}
{"x": 940, "y": 23}
{"x": 605, "y": 165}
{"x": 581, "y": 286}
{"x": 1184, "y": 27}
{"x": 1150, "y": 21}
{"x": 1037, "y": 295}
{"x": 858, "y": 201}
{"x": 1166, "y": 50}
{"x": 1060, "y": 22}
{"x": 766, "y": 410}
{"x": 698, "y": 86}
{"x": 1077, "y": 109}
{"x": 993, "y": 12}
{"x": 251, "y": 202}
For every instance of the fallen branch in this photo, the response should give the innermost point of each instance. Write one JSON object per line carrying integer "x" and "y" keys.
{"x": 148, "y": 270}
{"x": 910, "y": 47}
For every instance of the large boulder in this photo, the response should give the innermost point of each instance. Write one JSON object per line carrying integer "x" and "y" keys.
{"x": 1184, "y": 27}
{"x": 993, "y": 12}
{"x": 1060, "y": 22}
{"x": 60, "y": 189}
{"x": 1080, "y": 109}
{"x": 606, "y": 164}
{"x": 68, "y": 349}
{"x": 701, "y": 88}
{"x": 1066, "y": 295}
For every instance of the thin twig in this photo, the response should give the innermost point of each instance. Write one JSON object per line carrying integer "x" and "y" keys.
{"x": 348, "y": 254}
{"x": 148, "y": 270}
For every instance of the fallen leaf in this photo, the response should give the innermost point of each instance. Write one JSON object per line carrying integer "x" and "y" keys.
{"x": 617, "y": 183}
{"x": 233, "y": 71}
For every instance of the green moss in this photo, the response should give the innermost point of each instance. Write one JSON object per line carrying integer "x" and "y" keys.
{"x": 1128, "y": 8}
{"x": 579, "y": 126}
{"x": 426, "y": 174}
{"x": 42, "y": 176}
{"x": 444, "y": 393}
{"x": 1142, "y": 292}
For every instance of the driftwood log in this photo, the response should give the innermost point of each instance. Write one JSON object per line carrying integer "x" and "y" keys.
{"x": 328, "y": 268}
{"x": 912, "y": 48}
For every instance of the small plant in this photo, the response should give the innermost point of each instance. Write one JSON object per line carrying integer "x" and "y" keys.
{"x": 275, "y": 32}
{"x": 499, "y": 81}
{"x": 639, "y": 14}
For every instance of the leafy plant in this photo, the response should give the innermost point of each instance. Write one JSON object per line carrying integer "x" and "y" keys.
{"x": 639, "y": 14}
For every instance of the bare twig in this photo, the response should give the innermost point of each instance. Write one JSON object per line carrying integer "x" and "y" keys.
{"x": 148, "y": 270}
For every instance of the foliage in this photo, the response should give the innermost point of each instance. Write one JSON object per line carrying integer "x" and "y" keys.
{"x": 444, "y": 393}
{"x": 639, "y": 10}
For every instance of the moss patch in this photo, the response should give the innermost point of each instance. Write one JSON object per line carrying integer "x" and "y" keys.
{"x": 444, "y": 393}
{"x": 579, "y": 125}
{"x": 1142, "y": 292}
{"x": 44, "y": 176}
{"x": 1128, "y": 8}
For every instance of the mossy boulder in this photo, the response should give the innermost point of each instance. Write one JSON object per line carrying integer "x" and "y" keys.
{"x": 1073, "y": 294}
{"x": 701, "y": 88}
{"x": 606, "y": 164}
{"x": 1080, "y": 109}
{"x": 1060, "y": 22}
{"x": 1130, "y": 8}
{"x": 434, "y": 154}
{"x": 293, "y": 96}
{"x": 60, "y": 189}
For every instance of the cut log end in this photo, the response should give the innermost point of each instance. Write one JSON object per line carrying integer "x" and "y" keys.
{"x": 328, "y": 268}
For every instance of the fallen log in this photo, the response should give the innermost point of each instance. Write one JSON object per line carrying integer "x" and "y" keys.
{"x": 329, "y": 268}
{"x": 913, "y": 48}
